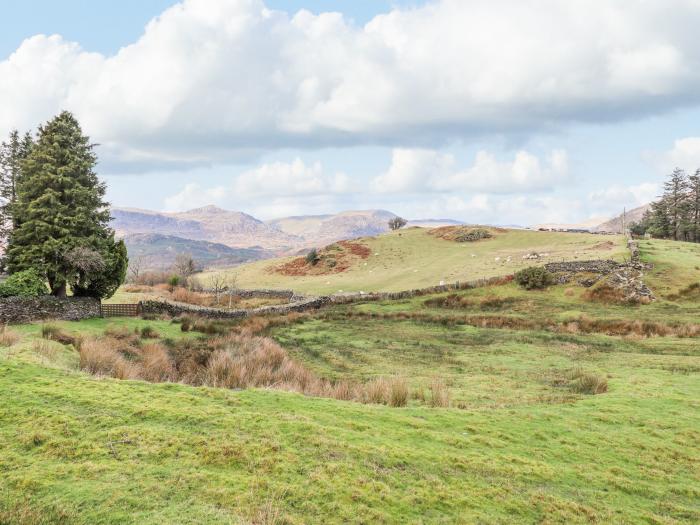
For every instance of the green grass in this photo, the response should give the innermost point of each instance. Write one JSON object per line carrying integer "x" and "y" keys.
{"x": 518, "y": 446}
{"x": 414, "y": 259}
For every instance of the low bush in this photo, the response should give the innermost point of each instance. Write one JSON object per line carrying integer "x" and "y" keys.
{"x": 534, "y": 278}
{"x": 27, "y": 283}
{"x": 473, "y": 235}
{"x": 312, "y": 257}
{"x": 148, "y": 332}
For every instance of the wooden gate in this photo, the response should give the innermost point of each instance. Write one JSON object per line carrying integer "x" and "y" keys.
{"x": 121, "y": 310}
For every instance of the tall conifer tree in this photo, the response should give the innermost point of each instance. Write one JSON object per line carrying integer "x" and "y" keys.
{"x": 12, "y": 153}
{"x": 60, "y": 208}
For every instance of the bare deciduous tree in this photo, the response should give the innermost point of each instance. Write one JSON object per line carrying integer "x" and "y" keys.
{"x": 397, "y": 223}
{"x": 136, "y": 267}
{"x": 217, "y": 284}
{"x": 185, "y": 265}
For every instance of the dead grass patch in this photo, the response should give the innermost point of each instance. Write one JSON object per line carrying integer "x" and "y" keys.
{"x": 8, "y": 337}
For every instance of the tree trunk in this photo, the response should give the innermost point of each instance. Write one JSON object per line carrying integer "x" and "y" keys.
{"x": 59, "y": 290}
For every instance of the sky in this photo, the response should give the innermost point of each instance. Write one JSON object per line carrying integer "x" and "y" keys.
{"x": 510, "y": 112}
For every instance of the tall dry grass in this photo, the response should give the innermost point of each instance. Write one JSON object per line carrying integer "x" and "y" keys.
{"x": 234, "y": 361}
{"x": 439, "y": 394}
{"x": 8, "y": 337}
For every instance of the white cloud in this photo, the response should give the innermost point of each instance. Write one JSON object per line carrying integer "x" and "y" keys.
{"x": 614, "y": 198}
{"x": 211, "y": 80}
{"x": 685, "y": 154}
{"x": 194, "y": 196}
{"x": 428, "y": 170}
{"x": 505, "y": 210}
{"x": 274, "y": 184}
{"x": 294, "y": 178}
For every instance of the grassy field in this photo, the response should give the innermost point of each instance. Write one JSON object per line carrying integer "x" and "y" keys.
{"x": 413, "y": 258}
{"x": 518, "y": 445}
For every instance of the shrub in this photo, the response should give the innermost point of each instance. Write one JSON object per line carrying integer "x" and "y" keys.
{"x": 27, "y": 283}
{"x": 173, "y": 282}
{"x": 473, "y": 235}
{"x": 534, "y": 278}
{"x": 397, "y": 223}
{"x": 312, "y": 257}
{"x": 148, "y": 332}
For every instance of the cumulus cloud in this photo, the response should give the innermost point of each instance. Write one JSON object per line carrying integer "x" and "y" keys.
{"x": 429, "y": 170}
{"x": 214, "y": 80}
{"x": 684, "y": 154}
{"x": 277, "y": 183}
{"x": 615, "y": 197}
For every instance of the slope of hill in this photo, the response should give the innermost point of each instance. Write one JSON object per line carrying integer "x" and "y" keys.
{"x": 614, "y": 225}
{"x": 158, "y": 251}
{"x": 413, "y": 258}
{"x": 323, "y": 229}
{"x": 234, "y": 229}
{"x": 556, "y": 416}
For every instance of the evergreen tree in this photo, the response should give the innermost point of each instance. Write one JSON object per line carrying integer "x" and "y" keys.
{"x": 694, "y": 206}
{"x": 659, "y": 223}
{"x": 60, "y": 208}
{"x": 12, "y": 153}
{"x": 676, "y": 204}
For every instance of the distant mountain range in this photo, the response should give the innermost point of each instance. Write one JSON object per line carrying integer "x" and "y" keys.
{"x": 614, "y": 225}
{"x": 158, "y": 252}
{"x": 218, "y": 237}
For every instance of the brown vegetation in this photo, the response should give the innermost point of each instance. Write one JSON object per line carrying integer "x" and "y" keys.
{"x": 582, "y": 324}
{"x": 54, "y": 333}
{"x": 456, "y": 301}
{"x": 233, "y": 361}
{"x": 8, "y": 337}
{"x": 334, "y": 258}
{"x": 580, "y": 382}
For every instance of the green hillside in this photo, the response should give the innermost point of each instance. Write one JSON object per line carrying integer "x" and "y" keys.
{"x": 413, "y": 258}
{"x": 523, "y": 440}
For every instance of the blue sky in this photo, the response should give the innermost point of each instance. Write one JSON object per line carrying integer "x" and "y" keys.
{"x": 500, "y": 113}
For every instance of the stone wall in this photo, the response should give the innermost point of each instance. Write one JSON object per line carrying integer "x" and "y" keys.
{"x": 289, "y": 295}
{"x": 602, "y": 266}
{"x": 408, "y": 294}
{"x": 15, "y": 310}
{"x": 176, "y": 309}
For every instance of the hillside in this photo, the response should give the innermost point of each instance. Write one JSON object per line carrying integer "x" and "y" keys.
{"x": 234, "y": 229}
{"x": 552, "y": 409}
{"x": 158, "y": 251}
{"x": 614, "y": 225}
{"x": 414, "y": 258}
{"x": 318, "y": 230}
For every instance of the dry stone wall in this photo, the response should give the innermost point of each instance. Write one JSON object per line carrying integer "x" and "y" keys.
{"x": 14, "y": 310}
{"x": 176, "y": 309}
